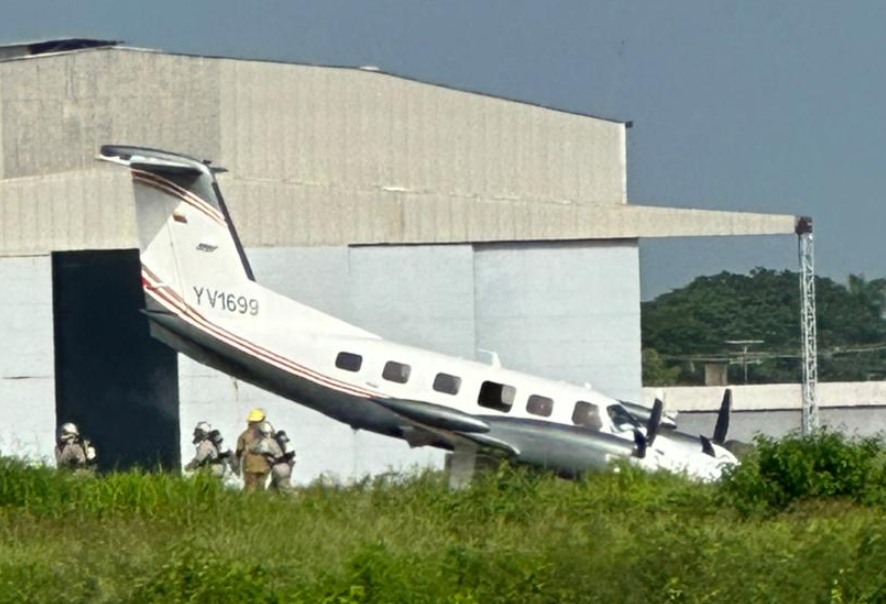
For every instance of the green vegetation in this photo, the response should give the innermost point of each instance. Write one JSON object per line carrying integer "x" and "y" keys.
{"x": 683, "y": 328}
{"x": 800, "y": 521}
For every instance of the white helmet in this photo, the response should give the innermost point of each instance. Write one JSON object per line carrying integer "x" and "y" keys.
{"x": 68, "y": 431}
{"x": 265, "y": 429}
{"x": 201, "y": 432}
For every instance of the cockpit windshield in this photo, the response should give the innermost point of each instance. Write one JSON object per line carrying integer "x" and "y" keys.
{"x": 621, "y": 417}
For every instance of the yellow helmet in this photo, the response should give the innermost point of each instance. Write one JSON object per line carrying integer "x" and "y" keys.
{"x": 256, "y": 415}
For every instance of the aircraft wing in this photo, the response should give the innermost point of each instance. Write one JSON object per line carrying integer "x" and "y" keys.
{"x": 433, "y": 422}
{"x": 433, "y": 415}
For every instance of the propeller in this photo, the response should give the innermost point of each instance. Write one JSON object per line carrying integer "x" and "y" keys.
{"x": 654, "y": 421}
{"x": 641, "y": 443}
{"x": 722, "y": 426}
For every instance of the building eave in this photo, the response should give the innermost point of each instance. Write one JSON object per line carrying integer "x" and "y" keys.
{"x": 94, "y": 209}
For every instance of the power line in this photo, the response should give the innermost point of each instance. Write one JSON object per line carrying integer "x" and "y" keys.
{"x": 763, "y": 355}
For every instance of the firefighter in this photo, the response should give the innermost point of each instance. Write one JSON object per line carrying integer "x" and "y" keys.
{"x": 207, "y": 455}
{"x": 74, "y": 453}
{"x": 279, "y": 453}
{"x": 254, "y": 467}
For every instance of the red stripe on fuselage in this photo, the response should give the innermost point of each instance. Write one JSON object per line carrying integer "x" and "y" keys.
{"x": 171, "y": 299}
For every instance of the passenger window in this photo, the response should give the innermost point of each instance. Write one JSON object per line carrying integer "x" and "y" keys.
{"x": 496, "y": 396}
{"x": 349, "y": 361}
{"x": 586, "y": 414}
{"x": 540, "y": 405}
{"x": 447, "y": 384}
{"x": 396, "y": 372}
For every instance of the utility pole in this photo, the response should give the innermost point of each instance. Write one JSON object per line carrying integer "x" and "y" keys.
{"x": 810, "y": 421}
{"x": 744, "y": 354}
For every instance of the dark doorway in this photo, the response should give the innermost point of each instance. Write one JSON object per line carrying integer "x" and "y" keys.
{"x": 112, "y": 379}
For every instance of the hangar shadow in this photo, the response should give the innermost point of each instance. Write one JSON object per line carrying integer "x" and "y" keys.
{"x": 119, "y": 385}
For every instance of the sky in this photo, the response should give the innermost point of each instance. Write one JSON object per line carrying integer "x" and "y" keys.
{"x": 747, "y": 105}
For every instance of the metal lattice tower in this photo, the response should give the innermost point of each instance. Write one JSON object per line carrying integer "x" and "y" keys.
{"x": 807, "y": 320}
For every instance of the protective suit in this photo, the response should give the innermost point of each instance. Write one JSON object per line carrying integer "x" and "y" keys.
{"x": 252, "y": 465}
{"x": 280, "y": 455}
{"x": 207, "y": 455}
{"x": 74, "y": 453}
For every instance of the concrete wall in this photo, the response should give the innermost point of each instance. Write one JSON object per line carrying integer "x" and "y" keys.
{"x": 778, "y": 422}
{"x": 570, "y": 312}
{"x": 2, "y": 147}
{"x": 27, "y": 386}
{"x": 766, "y": 397}
{"x": 774, "y": 409}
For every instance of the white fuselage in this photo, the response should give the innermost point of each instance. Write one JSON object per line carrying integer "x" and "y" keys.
{"x": 202, "y": 300}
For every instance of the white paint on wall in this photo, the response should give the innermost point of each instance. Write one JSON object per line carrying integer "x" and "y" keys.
{"x": 569, "y": 312}
{"x": 421, "y": 296}
{"x": 27, "y": 381}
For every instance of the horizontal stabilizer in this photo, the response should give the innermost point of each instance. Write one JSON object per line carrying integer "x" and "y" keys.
{"x": 152, "y": 160}
{"x": 168, "y": 167}
{"x": 433, "y": 415}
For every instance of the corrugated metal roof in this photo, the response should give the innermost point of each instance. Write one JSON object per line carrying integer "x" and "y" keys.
{"x": 79, "y": 44}
{"x": 318, "y": 156}
{"x": 71, "y": 211}
{"x": 346, "y": 128}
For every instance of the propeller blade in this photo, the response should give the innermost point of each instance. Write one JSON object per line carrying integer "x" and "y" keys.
{"x": 654, "y": 421}
{"x": 722, "y": 426}
{"x": 641, "y": 443}
{"x": 706, "y": 446}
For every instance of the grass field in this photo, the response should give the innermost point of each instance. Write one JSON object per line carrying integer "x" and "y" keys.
{"x": 801, "y": 521}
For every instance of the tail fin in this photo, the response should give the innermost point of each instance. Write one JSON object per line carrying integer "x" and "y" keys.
{"x": 186, "y": 238}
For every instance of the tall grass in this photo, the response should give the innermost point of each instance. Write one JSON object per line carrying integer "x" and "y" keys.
{"x": 801, "y": 521}
{"x": 780, "y": 473}
{"x": 46, "y": 492}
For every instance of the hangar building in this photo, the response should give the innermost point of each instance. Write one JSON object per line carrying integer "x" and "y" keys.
{"x": 435, "y": 217}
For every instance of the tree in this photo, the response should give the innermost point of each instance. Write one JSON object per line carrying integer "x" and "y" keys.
{"x": 656, "y": 372}
{"x": 694, "y": 322}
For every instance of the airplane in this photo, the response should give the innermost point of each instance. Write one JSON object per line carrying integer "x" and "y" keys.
{"x": 201, "y": 299}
